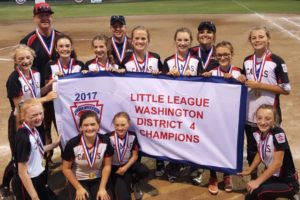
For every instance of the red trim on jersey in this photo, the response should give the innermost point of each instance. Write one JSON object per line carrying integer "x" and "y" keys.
{"x": 31, "y": 40}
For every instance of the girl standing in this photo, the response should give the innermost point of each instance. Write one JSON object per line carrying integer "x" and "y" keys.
{"x": 280, "y": 178}
{"x": 103, "y": 61}
{"x": 224, "y": 53}
{"x": 66, "y": 63}
{"x": 87, "y": 161}
{"x": 23, "y": 83}
{"x": 265, "y": 74}
{"x": 126, "y": 169}
{"x": 29, "y": 182}
{"x": 141, "y": 60}
{"x": 182, "y": 63}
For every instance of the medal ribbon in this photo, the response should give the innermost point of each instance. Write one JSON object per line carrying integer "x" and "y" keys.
{"x": 185, "y": 65}
{"x": 120, "y": 153}
{"x": 32, "y": 87}
{"x": 221, "y": 73}
{"x": 145, "y": 61}
{"x": 263, "y": 147}
{"x": 69, "y": 70}
{"x": 100, "y": 66}
{"x": 91, "y": 158}
{"x": 208, "y": 57}
{"x": 49, "y": 50}
{"x": 120, "y": 57}
{"x": 258, "y": 71}
{"x": 37, "y": 138}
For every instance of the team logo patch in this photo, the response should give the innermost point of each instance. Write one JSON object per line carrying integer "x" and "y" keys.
{"x": 284, "y": 68}
{"x": 280, "y": 137}
{"x": 80, "y": 107}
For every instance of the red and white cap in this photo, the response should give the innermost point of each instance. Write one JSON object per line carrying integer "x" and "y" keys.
{"x": 42, "y": 7}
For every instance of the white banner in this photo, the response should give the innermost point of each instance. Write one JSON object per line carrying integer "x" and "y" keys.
{"x": 188, "y": 119}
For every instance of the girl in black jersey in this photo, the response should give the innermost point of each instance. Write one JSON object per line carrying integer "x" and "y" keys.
{"x": 87, "y": 161}
{"x": 103, "y": 61}
{"x": 28, "y": 153}
{"x": 280, "y": 178}
{"x": 23, "y": 83}
{"x": 266, "y": 76}
{"x": 126, "y": 169}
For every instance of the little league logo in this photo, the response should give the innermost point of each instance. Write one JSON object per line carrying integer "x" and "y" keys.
{"x": 80, "y": 107}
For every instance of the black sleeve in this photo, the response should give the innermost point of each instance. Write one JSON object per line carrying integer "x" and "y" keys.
{"x": 279, "y": 139}
{"x": 68, "y": 153}
{"x": 81, "y": 64}
{"x": 13, "y": 86}
{"x": 48, "y": 72}
{"x": 160, "y": 65}
{"x": 22, "y": 146}
{"x": 165, "y": 67}
{"x": 280, "y": 70}
{"x": 136, "y": 144}
{"x": 109, "y": 150}
{"x": 86, "y": 65}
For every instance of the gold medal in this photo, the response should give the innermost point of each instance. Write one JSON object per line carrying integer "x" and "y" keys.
{"x": 257, "y": 93}
{"x": 92, "y": 175}
{"x": 44, "y": 163}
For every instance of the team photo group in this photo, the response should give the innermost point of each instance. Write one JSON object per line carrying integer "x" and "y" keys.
{"x": 129, "y": 103}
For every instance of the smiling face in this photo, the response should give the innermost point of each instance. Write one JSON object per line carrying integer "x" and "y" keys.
{"x": 140, "y": 40}
{"x": 34, "y": 115}
{"x": 206, "y": 38}
{"x": 89, "y": 127}
{"x": 118, "y": 30}
{"x": 183, "y": 41}
{"x": 100, "y": 48}
{"x": 121, "y": 124}
{"x": 259, "y": 39}
{"x": 64, "y": 48}
{"x": 43, "y": 20}
{"x": 24, "y": 59}
{"x": 265, "y": 119}
{"x": 224, "y": 56}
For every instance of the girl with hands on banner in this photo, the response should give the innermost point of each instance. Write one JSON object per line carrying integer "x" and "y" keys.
{"x": 87, "y": 160}
{"x": 127, "y": 171}
{"x": 65, "y": 64}
{"x": 104, "y": 60}
{"x": 280, "y": 178}
{"x": 183, "y": 62}
{"x": 224, "y": 54}
{"x": 28, "y": 154}
{"x": 141, "y": 60}
{"x": 265, "y": 74}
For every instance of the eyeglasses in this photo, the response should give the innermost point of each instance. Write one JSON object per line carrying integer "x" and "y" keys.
{"x": 225, "y": 55}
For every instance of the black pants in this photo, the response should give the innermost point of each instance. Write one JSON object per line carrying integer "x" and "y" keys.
{"x": 91, "y": 186}
{"x": 122, "y": 184}
{"x": 251, "y": 144}
{"x": 38, "y": 183}
{"x": 274, "y": 188}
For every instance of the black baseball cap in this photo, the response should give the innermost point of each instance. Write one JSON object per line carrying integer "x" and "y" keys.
{"x": 42, "y": 8}
{"x": 207, "y": 25}
{"x": 117, "y": 18}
